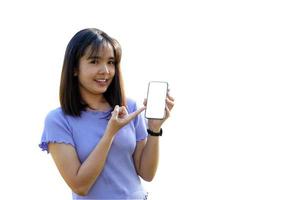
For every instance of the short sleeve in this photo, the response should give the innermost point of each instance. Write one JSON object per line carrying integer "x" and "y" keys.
{"x": 139, "y": 122}
{"x": 56, "y": 130}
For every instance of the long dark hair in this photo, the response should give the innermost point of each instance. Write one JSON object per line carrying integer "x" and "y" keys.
{"x": 69, "y": 94}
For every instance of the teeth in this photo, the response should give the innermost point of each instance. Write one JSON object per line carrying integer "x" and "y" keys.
{"x": 101, "y": 80}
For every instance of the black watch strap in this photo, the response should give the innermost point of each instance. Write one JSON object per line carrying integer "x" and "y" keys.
{"x": 154, "y": 133}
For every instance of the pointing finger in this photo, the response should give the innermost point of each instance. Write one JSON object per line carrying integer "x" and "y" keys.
{"x": 136, "y": 113}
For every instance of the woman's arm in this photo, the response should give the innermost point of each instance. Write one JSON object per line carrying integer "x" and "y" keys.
{"x": 81, "y": 177}
{"x": 146, "y": 155}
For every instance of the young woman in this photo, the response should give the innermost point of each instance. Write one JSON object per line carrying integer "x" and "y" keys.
{"x": 97, "y": 139}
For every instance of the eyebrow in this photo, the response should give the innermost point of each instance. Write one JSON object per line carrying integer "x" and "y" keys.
{"x": 98, "y": 57}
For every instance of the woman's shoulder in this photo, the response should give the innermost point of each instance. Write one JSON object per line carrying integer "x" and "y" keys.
{"x": 130, "y": 101}
{"x": 131, "y": 104}
{"x": 56, "y": 113}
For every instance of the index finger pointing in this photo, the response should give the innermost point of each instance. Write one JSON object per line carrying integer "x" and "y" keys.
{"x": 133, "y": 115}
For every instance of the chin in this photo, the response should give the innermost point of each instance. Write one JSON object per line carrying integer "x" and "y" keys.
{"x": 102, "y": 91}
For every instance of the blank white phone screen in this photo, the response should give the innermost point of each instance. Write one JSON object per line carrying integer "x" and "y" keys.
{"x": 156, "y": 100}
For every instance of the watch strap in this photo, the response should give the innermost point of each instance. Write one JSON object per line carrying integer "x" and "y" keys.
{"x": 155, "y": 133}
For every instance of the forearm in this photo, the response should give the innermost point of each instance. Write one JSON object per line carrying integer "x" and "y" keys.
{"x": 92, "y": 167}
{"x": 149, "y": 158}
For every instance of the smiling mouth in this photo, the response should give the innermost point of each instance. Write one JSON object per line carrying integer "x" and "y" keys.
{"x": 101, "y": 80}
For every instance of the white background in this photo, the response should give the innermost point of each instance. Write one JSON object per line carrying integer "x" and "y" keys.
{"x": 233, "y": 67}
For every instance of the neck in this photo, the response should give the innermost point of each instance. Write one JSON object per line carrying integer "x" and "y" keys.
{"x": 95, "y": 102}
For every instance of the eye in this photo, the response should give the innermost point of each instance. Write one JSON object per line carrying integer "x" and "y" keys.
{"x": 111, "y": 62}
{"x": 94, "y": 61}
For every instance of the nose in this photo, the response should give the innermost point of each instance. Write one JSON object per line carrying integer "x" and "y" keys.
{"x": 103, "y": 69}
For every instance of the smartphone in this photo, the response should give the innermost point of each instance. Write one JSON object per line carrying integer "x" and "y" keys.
{"x": 156, "y": 100}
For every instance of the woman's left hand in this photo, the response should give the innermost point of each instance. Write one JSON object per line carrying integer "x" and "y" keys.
{"x": 155, "y": 124}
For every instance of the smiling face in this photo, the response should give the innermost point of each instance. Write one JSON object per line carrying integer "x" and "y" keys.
{"x": 96, "y": 70}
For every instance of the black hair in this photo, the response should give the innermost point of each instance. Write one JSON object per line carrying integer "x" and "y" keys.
{"x": 69, "y": 94}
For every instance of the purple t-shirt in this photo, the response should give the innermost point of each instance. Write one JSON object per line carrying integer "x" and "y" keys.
{"x": 118, "y": 179}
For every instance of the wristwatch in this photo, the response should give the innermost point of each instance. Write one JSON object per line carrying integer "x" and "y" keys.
{"x": 154, "y": 133}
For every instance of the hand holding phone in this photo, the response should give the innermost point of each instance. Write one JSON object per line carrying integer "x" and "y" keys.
{"x": 156, "y": 100}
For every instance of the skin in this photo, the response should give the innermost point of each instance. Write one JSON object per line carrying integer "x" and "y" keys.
{"x": 81, "y": 176}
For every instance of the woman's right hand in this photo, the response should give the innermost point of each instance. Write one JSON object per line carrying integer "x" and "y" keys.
{"x": 120, "y": 117}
